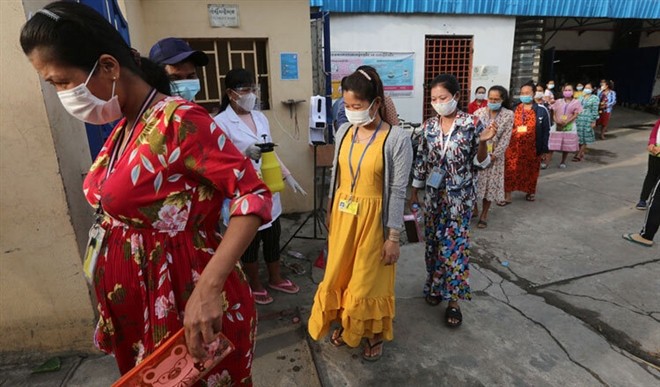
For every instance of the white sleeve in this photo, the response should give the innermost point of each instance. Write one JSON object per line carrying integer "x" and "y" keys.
{"x": 482, "y": 164}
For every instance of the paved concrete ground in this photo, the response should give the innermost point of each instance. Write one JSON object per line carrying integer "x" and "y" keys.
{"x": 575, "y": 305}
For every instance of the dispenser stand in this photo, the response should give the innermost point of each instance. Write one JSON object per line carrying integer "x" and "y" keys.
{"x": 318, "y": 213}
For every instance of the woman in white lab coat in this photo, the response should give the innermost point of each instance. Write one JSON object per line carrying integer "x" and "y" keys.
{"x": 247, "y": 127}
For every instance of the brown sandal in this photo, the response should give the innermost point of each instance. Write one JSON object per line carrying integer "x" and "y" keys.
{"x": 370, "y": 347}
{"x": 336, "y": 339}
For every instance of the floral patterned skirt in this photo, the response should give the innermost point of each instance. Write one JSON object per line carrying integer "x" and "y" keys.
{"x": 143, "y": 280}
{"x": 447, "y": 254}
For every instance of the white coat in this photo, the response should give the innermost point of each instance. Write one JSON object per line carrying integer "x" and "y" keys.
{"x": 242, "y": 137}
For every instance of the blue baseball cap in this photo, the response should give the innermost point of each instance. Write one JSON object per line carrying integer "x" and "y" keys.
{"x": 170, "y": 51}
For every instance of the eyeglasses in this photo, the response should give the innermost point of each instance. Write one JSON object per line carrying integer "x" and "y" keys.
{"x": 246, "y": 89}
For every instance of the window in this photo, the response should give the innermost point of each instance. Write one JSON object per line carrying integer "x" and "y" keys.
{"x": 224, "y": 55}
{"x": 447, "y": 55}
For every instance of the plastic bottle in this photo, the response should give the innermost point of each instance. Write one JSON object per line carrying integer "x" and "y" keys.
{"x": 271, "y": 171}
{"x": 419, "y": 220}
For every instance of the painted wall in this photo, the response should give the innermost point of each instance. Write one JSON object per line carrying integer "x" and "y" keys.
{"x": 44, "y": 299}
{"x": 152, "y": 20}
{"x": 493, "y": 44}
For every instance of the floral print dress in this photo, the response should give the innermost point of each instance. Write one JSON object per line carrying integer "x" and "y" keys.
{"x": 448, "y": 210}
{"x": 588, "y": 115}
{"x": 522, "y": 163}
{"x": 161, "y": 207}
{"x": 491, "y": 180}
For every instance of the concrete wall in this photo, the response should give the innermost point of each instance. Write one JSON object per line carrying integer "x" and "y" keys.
{"x": 651, "y": 40}
{"x": 286, "y": 25}
{"x": 588, "y": 41}
{"x": 44, "y": 299}
{"x": 493, "y": 44}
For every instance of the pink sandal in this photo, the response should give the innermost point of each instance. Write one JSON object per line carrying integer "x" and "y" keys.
{"x": 262, "y": 298}
{"x": 287, "y": 287}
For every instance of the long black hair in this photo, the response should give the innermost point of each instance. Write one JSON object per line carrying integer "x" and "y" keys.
{"x": 235, "y": 79}
{"x": 76, "y": 35}
{"x": 504, "y": 94}
{"x": 366, "y": 84}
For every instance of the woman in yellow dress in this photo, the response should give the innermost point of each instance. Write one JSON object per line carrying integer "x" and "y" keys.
{"x": 370, "y": 174}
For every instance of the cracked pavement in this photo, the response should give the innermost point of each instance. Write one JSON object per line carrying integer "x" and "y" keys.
{"x": 573, "y": 304}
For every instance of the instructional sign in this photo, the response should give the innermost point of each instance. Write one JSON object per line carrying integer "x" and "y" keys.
{"x": 395, "y": 69}
{"x": 223, "y": 15}
{"x": 289, "y": 66}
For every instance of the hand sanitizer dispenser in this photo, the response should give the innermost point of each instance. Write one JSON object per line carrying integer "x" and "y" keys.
{"x": 317, "y": 120}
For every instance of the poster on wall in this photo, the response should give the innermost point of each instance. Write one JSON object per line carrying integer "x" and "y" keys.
{"x": 395, "y": 69}
{"x": 288, "y": 66}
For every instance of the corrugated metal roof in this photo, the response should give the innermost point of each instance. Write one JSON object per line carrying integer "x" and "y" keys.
{"x": 620, "y": 9}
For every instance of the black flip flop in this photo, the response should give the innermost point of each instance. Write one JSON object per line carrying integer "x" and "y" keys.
{"x": 482, "y": 224}
{"x": 336, "y": 339}
{"x": 453, "y": 313}
{"x": 433, "y": 300}
{"x": 371, "y": 347}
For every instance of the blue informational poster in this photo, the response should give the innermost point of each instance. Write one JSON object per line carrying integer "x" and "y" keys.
{"x": 395, "y": 69}
{"x": 289, "y": 66}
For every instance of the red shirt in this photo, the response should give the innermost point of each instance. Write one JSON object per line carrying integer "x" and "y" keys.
{"x": 475, "y": 105}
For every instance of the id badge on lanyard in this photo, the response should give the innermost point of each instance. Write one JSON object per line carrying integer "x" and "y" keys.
{"x": 348, "y": 206}
{"x": 96, "y": 237}
{"x": 94, "y": 243}
{"x": 436, "y": 179}
{"x": 522, "y": 128}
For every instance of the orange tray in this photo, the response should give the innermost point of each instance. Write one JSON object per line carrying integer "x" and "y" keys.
{"x": 172, "y": 365}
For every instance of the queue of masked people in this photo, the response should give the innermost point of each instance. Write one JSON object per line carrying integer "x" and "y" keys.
{"x": 169, "y": 170}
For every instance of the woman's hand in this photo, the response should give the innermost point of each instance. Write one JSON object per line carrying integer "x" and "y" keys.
{"x": 414, "y": 198}
{"x": 487, "y": 134}
{"x": 297, "y": 188}
{"x": 391, "y": 251}
{"x": 651, "y": 148}
{"x": 202, "y": 318}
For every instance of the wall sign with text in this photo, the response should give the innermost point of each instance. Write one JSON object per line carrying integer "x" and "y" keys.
{"x": 223, "y": 15}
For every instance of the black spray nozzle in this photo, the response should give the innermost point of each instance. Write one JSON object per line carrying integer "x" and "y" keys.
{"x": 266, "y": 146}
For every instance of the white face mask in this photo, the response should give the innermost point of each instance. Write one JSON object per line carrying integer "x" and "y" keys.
{"x": 360, "y": 117}
{"x": 538, "y": 95}
{"x": 246, "y": 101}
{"x": 445, "y": 109}
{"x": 480, "y": 96}
{"x": 85, "y": 106}
{"x": 551, "y": 86}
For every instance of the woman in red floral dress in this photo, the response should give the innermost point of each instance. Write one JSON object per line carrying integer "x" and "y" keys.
{"x": 529, "y": 141}
{"x": 158, "y": 185}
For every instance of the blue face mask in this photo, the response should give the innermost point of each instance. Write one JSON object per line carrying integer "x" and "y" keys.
{"x": 186, "y": 88}
{"x": 526, "y": 98}
{"x": 494, "y": 106}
